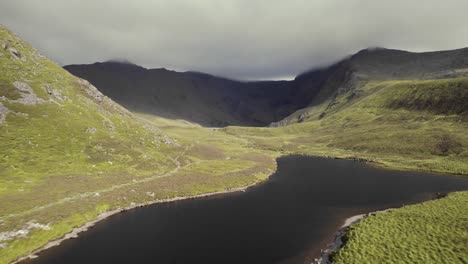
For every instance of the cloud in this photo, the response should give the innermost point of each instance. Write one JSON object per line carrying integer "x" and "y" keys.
{"x": 243, "y": 39}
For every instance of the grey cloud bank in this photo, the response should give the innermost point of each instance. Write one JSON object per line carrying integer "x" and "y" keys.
{"x": 237, "y": 39}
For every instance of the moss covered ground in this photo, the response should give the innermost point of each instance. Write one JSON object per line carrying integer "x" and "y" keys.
{"x": 431, "y": 232}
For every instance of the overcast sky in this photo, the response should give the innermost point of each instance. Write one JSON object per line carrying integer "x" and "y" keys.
{"x": 243, "y": 39}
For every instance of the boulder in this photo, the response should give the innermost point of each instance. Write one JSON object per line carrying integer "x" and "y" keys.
{"x": 28, "y": 97}
{"x": 92, "y": 91}
{"x": 91, "y": 130}
{"x": 54, "y": 92}
{"x": 15, "y": 53}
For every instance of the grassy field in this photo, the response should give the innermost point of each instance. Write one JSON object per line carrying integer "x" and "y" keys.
{"x": 68, "y": 153}
{"x": 431, "y": 232}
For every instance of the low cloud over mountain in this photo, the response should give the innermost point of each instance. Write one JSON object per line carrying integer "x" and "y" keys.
{"x": 237, "y": 39}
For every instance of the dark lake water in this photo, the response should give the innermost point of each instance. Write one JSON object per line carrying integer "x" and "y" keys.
{"x": 287, "y": 219}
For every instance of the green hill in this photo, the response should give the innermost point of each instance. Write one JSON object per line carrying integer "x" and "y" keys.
{"x": 69, "y": 153}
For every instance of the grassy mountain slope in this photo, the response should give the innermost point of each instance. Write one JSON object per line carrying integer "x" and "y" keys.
{"x": 69, "y": 153}
{"x": 401, "y": 124}
{"x": 340, "y": 84}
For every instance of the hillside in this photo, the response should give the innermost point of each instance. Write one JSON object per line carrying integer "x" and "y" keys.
{"x": 341, "y": 83}
{"x": 68, "y": 153}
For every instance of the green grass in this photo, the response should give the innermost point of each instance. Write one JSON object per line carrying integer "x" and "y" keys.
{"x": 437, "y": 96}
{"x": 43, "y": 140}
{"x": 9, "y": 91}
{"x": 39, "y": 237}
{"x": 431, "y": 232}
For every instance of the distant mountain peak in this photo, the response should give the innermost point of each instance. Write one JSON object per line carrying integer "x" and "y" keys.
{"x": 120, "y": 61}
{"x": 378, "y": 50}
{"x": 371, "y": 49}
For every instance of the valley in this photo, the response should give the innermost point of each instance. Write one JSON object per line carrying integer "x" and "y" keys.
{"x": 70, "y": 153}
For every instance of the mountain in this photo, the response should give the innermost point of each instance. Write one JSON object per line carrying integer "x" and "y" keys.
{"x": 332, "y": 88}
{"x": 214, "y": 101}
{"x": 195, "y": 97}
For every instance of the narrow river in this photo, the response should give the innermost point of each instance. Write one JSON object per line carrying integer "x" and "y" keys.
{"x": 287, "y": 219}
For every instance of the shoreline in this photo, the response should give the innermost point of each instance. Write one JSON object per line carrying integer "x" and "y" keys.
{"x": 77, "y": 230}
{"x": 337, "y": 241}
{"x": 332, "y": 246}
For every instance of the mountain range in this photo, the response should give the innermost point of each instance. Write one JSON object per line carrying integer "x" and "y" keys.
{"x": 215, "y": 101}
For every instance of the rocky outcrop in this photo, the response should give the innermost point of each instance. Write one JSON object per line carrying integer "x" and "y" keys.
{"x": 3, "y": 113}
{"x": 21, "y": 233}
{"x": 14, "y": 52}
{"x": 92, "y": 91}
{"x": 54, "y": 92}
{"x": 91, "y": 130}
{"x": 28, "y": 97}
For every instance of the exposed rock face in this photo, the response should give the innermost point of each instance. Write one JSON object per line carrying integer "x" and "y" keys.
{"x": 91, "y": 130}
{"x": 54, "y": 92}
{"x": 3, "y": 113}
{"x": 16, "y": 54}
{"x": 27, "y": 228}
{"x": 92, "y": 91}
{"x": 28, "y": 97}
{"x": 23, "y": 87}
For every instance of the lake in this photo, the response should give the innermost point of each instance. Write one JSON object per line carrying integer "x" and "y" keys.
{"x": 287, "y": 219}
